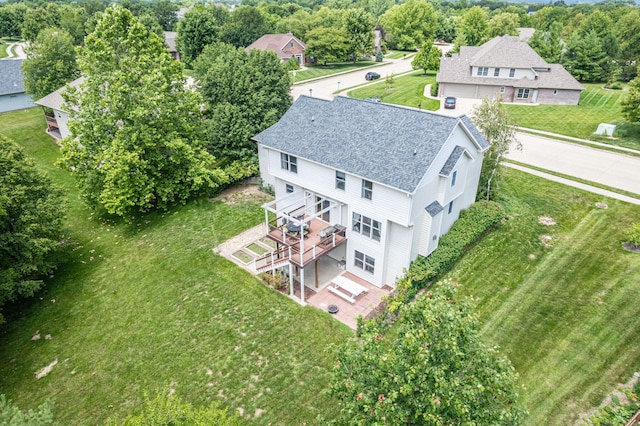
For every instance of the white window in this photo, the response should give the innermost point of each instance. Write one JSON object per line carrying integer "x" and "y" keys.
{"x": 450, "y": 207}
{"x": 364, "y": 262}
{"x": 453, "y": 178}
{"x": 523, "y": 93}
{"x": 501, "y": 89}
{"x": 289, "y": 188}
{"x": 366, "y": 226}
{"x": 483, "y": 71}
{"x": 367, "y": 189}
{"x": 496, "y": 72}
{"x": 512, "y": 72}
{"x": 289, "y": 162}
{"x": 341, "y": 180}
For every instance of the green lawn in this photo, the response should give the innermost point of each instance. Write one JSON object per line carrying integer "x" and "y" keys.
{"x": 399, "y": 54}
{"x": 3, "y": 50}
{"x": 143, "y": 303}
{"x": 567, "y": 315}
{"x": 406, "y": 90}
{"x": 318, "y": 71}
{"x": 597, "y": 105}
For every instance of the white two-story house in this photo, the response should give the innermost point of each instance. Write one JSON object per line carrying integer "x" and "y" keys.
{"x": 370, "y": 185}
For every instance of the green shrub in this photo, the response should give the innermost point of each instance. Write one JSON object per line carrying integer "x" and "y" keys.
{"x": 379, "y": 55}
{"x": 291, "y": 65}
{"x": 12, "y": 415}
{"x": 434, "y": 89}
{"x": 633, "y": 234}
{"x": 472, "y": 224}
{"x": 617, "y": 86}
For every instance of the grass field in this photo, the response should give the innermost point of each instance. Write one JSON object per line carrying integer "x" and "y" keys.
{"x": 597, "y": 105}
{"x": 566, "y": 315}
{"x": 143, "y": 304}
{"x": 407, "y": 90}
{"x": 3, "y": 50}
{"x": 398, "y": 54}
{"x": 318, "y": 71}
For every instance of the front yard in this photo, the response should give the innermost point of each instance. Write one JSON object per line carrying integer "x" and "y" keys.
{"x": 407, "y": 90}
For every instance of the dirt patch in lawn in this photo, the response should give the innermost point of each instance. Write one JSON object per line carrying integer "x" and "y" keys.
{"x": 242, "y": 193}
{"x": 631, "y": 247}
{"x": 546, "y": 220}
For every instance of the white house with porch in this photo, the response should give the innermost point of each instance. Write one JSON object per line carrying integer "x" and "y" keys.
{"x": 367, "y": 186}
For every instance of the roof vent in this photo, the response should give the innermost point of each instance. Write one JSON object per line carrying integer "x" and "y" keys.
{"x": 313, "y": 118}
{"x": 415, "y": 151}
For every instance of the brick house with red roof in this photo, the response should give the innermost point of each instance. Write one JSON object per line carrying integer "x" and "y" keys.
{"x": 285, "y": 45}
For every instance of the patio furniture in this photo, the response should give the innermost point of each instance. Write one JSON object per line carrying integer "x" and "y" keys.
{"x": 351, "y": 288}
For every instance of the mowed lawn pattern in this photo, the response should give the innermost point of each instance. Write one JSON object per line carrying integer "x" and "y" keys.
{"x": 597, "y": 105}
{"x": 565, "y": 315}
{"x": 143, "y": 304}
{"x": 407, "y": 90}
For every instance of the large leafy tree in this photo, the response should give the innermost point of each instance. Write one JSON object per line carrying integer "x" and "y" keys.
{"x": 196, "y": 30}
{"x": 359, "y": 27}
{"x": 165, "y": 12}
{"x": 548, "y": 44}
{"x": 428, "y": 58}
{"x": 628, "y": 32}
{"x": 473, "y": 28}
{"x": 432, "y": 369}
{"x": 11, "y": 17}
{"x": 39, "y": 18}
{"x": 503, "y": 24}
{"x": 410, "y": 25}
{"x": 246, "y": 93}
{"x": 585, "y": 59}
{"x": 246, "y": 25}
{"x": 50, "y": 63}
{"x": 327, "y": 44}
{"x": 30, "y": 224}
{"x": 498, "y": 128}
{"x": 136, "y": 131}
{"x": 631, "y": 102}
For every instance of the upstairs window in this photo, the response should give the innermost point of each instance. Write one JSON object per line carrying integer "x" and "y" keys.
{"x": 483, "y": 71}
{"x": 289, "y": 162}
{"x": 341, "y": 180}
{"x": 496, "y": 72}
{"x": 453, "y": 178}
{"x": 366, "y": 226}
{"x": 450, "y": 207}
{"x": 367, "y": 189}
{"x": 512, "y": 72}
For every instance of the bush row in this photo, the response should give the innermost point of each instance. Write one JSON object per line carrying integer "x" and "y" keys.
{"x": 472, "y": 224}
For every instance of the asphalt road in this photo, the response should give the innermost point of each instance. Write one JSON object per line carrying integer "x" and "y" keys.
{"x": 325, "y": 88}
{"x": 608, "y": 168}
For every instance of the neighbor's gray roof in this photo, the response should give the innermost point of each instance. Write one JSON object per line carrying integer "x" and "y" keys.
{"x": 54, "y": 99}
{"x": 371, "y": 140}
{"x": 504, "y": 52}
{"x": 11, "y": 80}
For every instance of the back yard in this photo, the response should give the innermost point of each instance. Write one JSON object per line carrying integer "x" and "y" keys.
{"x": 144, "y": 304}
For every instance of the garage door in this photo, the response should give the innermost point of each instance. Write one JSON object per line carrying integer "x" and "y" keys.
{"x": 460, "y": 90}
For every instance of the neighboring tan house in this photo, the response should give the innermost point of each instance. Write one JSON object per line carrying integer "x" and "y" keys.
{"x": 363, "y": 185}
{"x": 505, "y": 66}
{"x": 12, "y": 95}
{"x": 170, "y": 42}
{"x": 285, "y": 45}
{"x": 54, "y": 112}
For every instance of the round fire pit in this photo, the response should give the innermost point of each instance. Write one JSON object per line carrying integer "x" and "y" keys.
{"x": 333, "y": 309}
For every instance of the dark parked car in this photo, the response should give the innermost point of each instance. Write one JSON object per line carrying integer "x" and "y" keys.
{"x": 450, "y": 102}
{"x": 372, "y": 76}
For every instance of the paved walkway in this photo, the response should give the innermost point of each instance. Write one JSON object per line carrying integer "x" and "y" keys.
{"x": 18, "y": 49}
{"x": 574, "y": 184}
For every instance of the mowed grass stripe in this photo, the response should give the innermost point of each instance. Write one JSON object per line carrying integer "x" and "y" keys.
{"x": 564, "y": 315}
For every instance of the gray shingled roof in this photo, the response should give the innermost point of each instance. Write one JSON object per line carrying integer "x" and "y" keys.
{"x": 170, "y": 40}
{"x": 452, "y": 160}
{"x": 11, "y": 81}
{"x": 434, "y": 208}
{"x": 504, "y": 52}
{"x": 383, "y": 143}
{"x": 54, "y": 99}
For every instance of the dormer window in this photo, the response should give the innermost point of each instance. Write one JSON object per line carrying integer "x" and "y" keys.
{"x": 496, "y": 72}
{"x": 512, "y": 72}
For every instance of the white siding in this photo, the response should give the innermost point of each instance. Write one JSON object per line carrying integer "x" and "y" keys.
{"x": 62, "y": 118}
{"x": 397, "y": 255}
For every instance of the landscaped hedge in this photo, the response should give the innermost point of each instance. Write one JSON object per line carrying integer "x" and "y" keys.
{"x": 471, "y": 225}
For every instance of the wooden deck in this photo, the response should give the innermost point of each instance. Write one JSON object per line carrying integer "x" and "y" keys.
{"x": 312, "y": 245}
